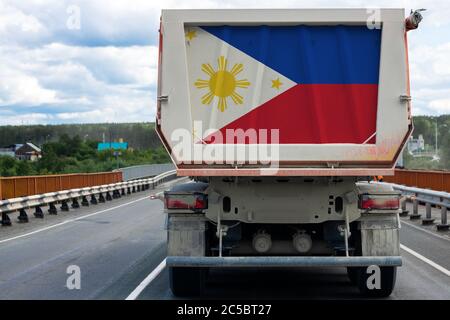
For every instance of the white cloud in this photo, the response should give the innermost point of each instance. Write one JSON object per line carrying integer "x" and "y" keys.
{"x": 19, "y": 88}
{"x": 430, "y": 64}
{"x": 74, "y": 83}
{"x": 17, "y": 26}
{"x": 107, "y": 70}
{"x": 430, "y": 78}
{"x": 25, "y": 119}
{"x": 124, "y": 22}
{"x": 132, "y": 64}
{"x": 441, "y": 105}
{"x": 13, "y": 19}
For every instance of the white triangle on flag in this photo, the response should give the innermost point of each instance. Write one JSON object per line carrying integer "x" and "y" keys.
{"x": 252, "y": 83}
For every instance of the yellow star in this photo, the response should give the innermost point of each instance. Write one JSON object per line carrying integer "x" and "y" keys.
{"x": 191, "y": 34}
{"x": 276, "y": 83}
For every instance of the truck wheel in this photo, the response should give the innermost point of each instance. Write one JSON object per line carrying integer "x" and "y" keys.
{"x": 187, "y": 281}
{"x": 352, "y": 274}
{"x": 387, "y": 282}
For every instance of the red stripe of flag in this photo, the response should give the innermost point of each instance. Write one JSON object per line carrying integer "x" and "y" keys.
{"x": 316, "y": 114}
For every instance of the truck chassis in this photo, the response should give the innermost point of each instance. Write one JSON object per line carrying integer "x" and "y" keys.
{"x": 290, "y": 222}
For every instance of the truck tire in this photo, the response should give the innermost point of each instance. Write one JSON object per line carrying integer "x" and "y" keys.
{"x": 387, "y": 282}
{"x": 187, "y": 281}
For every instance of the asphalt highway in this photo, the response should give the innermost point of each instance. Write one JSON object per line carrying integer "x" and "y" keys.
{"x": 119, "y": 250}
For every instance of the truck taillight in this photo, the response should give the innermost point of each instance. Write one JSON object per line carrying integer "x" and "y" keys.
{"x": 380, "y": 202}
{"x": 197, "y": 201}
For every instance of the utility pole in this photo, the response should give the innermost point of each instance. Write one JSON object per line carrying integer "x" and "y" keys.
{"x": 436, "y": 140}
{"x": 117, "y": 154}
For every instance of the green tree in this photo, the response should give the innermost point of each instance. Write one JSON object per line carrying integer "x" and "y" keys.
{"x": 7, "y": 166}
{"x": 445, "y": 149}
{"x": 24, "y": 168}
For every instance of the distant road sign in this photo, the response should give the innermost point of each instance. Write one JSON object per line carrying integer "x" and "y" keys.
{"x": 112, "y": 145}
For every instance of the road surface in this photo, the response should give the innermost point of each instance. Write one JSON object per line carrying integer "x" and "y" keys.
{"x": 117, "y": 245}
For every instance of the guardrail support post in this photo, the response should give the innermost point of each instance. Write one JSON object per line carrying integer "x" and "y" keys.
{"x": 415, "y": 214}
{"x": 108, "y": 196}
{"x": 138, "y": 188}
{"x": 122, "y": 192}
{"x": 84, "y": 201}
{"x": 64, "y": 206}
{"x": 101, "y": 198}
{"x": 404, "y": 212}
{"x": 428, "y": 219}
{"x": 134, "y": 189}
{"x": 23, "y": 217}
{"x": 128, "y": 190}
{"x": 443, "y": 226}
{"x": 6, "y": 221}
{"x": 52, "y": 208}
{"x": 93, "y": 199}
{"x": 116, "y": 194}
{"x": 75, "y": 203}
{"x": 38, "y": 212}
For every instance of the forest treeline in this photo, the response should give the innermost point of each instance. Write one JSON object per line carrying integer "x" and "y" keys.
{"x": 433, "y": 129}
{"x": 72, "y": 148}
{"x": 75, "y": 155}
{"x": 138, "y": 135}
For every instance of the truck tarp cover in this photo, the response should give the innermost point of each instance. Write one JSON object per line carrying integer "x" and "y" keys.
{"x": 323, "y": 87}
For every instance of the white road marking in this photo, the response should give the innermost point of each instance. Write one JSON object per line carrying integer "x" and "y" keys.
{"x": 425, "y": 230}
{"x": 136, "y": 292}
{"x": 141, "y": 287}
{"x": 71, "y": 220}
{"x": 426, "y": 260}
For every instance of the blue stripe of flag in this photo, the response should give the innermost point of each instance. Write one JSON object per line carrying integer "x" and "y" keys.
{"x": 310, "y": 54}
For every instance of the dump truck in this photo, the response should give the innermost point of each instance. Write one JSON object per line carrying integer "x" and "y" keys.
{"x": 280, "y": 118}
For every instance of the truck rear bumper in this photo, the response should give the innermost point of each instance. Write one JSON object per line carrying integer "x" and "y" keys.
{"x": 241, "y": 262}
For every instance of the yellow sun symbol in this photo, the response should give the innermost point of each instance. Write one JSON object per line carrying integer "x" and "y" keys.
{"x": 222, "y": 83}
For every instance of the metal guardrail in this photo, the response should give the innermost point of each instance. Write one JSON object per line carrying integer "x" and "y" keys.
{"x": 429, "y": 197}
{"x": 425, "y": 179}
{"x": 97, "y": 194}
{"x": 144, "y": 171}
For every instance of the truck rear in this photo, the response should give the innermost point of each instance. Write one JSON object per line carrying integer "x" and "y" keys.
{"x": 279, "y": 117}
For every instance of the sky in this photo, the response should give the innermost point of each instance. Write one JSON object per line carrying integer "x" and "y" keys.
{"x": 55, "y": 68}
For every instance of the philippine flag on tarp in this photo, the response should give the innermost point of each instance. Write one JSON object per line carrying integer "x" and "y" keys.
{"x": 315, "y": 84}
